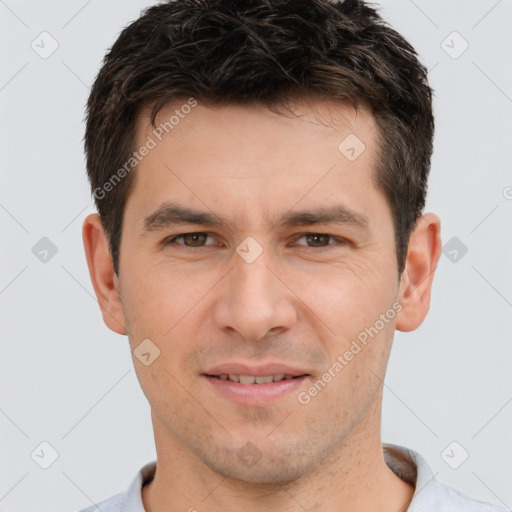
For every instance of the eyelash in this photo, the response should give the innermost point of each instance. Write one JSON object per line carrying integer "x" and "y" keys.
{"x": 340, "y": 241}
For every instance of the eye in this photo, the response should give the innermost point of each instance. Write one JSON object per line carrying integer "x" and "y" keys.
{"x": 190, "y": 239}
{"x": 319, "y": 240}
{"x": 198, "y": 239}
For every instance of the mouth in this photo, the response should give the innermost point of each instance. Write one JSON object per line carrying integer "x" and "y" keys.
{"x": 256, "y": 386}
{"x": 253, "y": 379}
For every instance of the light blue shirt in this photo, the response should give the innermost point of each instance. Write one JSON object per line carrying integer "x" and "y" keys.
{"x": 429, "y": 495}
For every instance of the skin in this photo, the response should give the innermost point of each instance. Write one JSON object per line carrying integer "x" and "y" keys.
{"x": 297, "y": 303}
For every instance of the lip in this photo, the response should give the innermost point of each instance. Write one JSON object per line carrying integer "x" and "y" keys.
{"x": 255, "y": 371}
{"x": 255, "y": 394}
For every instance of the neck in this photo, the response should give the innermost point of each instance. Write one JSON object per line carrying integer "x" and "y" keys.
{"x": 355, "y": 477}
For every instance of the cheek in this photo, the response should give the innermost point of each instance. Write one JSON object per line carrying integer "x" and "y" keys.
{"x": 162, "y": 303}
{"x": 347, "y": 296}
{"x": 159, "y": 296}
{"x": 348, "y": 301}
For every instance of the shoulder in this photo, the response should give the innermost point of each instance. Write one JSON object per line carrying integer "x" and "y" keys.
{"x": 430, "y": 495}
{"x": 131, "y": 499}
{"x": 445, "y": 499}
{"x": 114, "y": 504}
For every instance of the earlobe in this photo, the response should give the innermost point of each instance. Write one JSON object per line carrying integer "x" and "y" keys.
{"x": 416, "y": 282}
{"x": 101, "y": 271}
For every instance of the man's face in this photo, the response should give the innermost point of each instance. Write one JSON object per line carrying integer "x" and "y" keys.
{"x": 213, "y": 304}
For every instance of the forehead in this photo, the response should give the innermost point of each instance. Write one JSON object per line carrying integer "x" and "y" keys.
{"x": 178, "y": 115}
{"x": 253, "y": 160}
{"x": 307, "y": 134}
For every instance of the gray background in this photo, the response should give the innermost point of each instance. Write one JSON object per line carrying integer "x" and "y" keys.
{"x": 69, "y": 381}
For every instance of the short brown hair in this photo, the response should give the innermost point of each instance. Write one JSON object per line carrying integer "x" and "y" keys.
{"x": 263, "y": 51}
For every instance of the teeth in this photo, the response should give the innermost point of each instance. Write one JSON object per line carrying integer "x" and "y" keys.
{"x": 264, "y": 380}
{"x": 250, "y": 379}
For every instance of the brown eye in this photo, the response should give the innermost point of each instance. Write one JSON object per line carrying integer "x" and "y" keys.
{"x": 190, "y": 239}
{"x": 317, "y": 240}
{"x": 194, "y": 239}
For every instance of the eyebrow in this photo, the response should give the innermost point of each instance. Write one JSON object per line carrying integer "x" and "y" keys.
{"x": 169, "y": 214}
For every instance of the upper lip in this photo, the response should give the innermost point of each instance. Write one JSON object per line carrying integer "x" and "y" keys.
{"x": 255, "y": 371}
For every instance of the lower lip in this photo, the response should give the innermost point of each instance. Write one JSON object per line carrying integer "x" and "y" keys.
{"x": 255, "y": 394}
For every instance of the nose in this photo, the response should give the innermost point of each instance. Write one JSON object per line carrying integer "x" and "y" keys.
{"x": 254, "y": 299}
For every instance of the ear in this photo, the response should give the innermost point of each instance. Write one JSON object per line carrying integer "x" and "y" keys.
{"x": 101, "y": 270}
{"x": 416, "y": 281}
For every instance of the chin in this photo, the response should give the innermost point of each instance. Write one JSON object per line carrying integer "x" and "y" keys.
{"x": 274, "y": 465}
{"x": 264, "y": 474}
